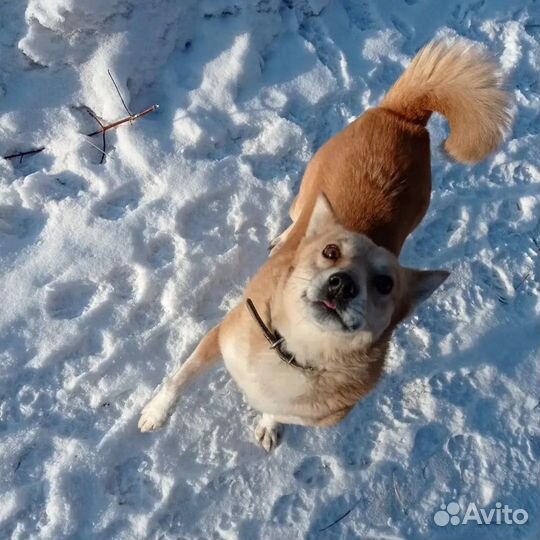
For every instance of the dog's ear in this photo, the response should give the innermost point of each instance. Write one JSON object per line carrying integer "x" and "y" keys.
{"x": 419, "y": 285}
{"x": 321, "y": 217}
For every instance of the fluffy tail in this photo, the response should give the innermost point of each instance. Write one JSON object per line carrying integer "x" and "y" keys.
{"x": 458, "y": 80}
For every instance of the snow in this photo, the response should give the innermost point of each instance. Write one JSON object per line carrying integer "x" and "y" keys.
{"x": 110, "y": 273}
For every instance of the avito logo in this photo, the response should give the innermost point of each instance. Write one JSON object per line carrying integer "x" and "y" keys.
{"x": 499, "y": 515}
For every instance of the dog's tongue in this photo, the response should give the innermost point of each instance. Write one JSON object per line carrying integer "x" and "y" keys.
{"x": 329, "y": 304}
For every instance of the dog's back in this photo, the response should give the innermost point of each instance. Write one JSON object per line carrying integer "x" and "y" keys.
{"x": 376, "y": 173}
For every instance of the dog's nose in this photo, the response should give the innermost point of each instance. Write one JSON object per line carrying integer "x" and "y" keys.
{"x": 342, "y": 286}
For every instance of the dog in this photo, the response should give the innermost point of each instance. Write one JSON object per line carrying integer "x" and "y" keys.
{"x": 310, "y": 337}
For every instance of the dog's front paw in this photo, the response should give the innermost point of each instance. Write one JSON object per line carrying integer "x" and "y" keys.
{"x": 267, "y": 432}
{"x": 156, "y": 412}
{"x": 152, "y": 417}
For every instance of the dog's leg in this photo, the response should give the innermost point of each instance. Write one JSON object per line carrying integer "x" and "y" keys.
{"x": 267, "y": 432}
{"x": 158, "y": 409}
{"x": 269, "y": 427}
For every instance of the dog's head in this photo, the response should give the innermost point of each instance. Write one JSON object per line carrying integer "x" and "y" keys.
{"x": 343, "y": 285}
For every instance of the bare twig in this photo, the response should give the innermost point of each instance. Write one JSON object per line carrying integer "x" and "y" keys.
{"x": 343, "y": 516}
{"x": 101, "y": 151}
{"x": 104, "y": 146}
{"x": 104, "y": 142}
{"x": 93, "y": 115}
{"x": 114, "y": 125}
{"x": 131, "y": 118}
{"x": 103, "y": 127}
{"x": 119, "y": 94}
{"x": 523, "y": 279}
{"x": 26, "y": 153}
{"x": 102, "y": 131}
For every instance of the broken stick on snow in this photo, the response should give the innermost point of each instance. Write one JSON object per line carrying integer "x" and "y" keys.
{"x": 103, "y": 127}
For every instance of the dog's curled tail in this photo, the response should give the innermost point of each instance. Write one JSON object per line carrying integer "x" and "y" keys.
{"x": 458, "y": 80}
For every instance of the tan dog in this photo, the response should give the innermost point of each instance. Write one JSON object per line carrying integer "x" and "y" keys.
{"x": 333, "y": 290}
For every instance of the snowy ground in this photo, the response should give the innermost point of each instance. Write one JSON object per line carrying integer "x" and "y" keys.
{"x": 109, "y": 274}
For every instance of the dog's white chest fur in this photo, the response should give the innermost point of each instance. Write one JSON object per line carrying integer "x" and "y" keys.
{"x": 269, "y": 384}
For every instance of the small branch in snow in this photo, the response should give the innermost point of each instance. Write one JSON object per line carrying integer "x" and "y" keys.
{"x": 104, "y": 141}
{"x": 26, "y": 153}
{"x": 93, "y": 115}
{"x": 103, "y": 148}
{"x": 119, "y": 94}
{"x": 523, "y": 279}
{"x": 103, "y": 127}
{"x": 130, "y": 118}
{"x": 114, "y": 125}
{"x": 101, "y": 151}
{"x": 343, "y": 516}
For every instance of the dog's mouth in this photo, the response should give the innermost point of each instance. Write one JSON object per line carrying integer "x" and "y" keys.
{"x": 329, "y": 304}
{"x": 329, "y": 314}
{"x": 328, "y": 310}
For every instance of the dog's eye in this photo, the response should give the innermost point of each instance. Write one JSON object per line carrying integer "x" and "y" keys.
{"x": 332, "y": 252}
{"x": 384, "y": 284}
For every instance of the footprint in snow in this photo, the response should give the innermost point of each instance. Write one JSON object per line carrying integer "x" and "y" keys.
{"x": 123, "y": 280}
{"x": 203, "y": 217}
{"x": 456, "y": 388}
{"x": 14, "y": 221}
{"x": 204, "y": 221}
{"x": 437, "y": 235}
{"x": 312, "y": 472}
{"x": 69, "y": 299}
{"x": 18, "y": 226}
{"x": 45, "y": 187}
{"x": 116, "y": 204}
{"x": 131, "y": 484}
{"x": 492, "y": 279}
{"x": 289, "y": 509}
{"x": 428, "y": 441}
{"x": 160, "y": 250}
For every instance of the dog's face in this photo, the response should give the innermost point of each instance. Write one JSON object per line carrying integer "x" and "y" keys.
{"x": 352, "y": 283}
{"x": 343, "y": 284}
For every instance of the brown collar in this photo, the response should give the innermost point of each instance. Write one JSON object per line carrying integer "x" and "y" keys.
{"x": 276, "y": 340}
